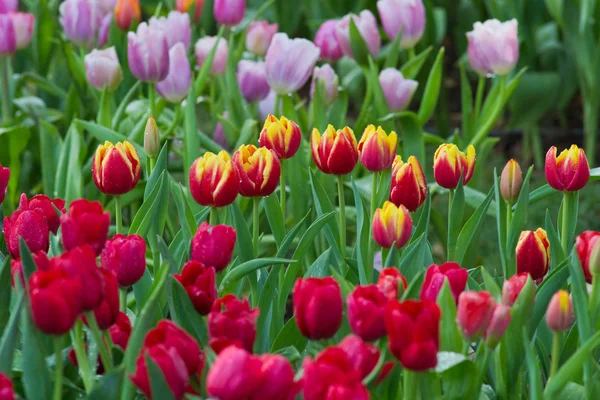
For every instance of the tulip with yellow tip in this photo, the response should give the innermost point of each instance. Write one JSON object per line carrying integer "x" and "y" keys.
{"x": 391, "y": 225}
{"x": 377, "y": 149}
{"x": 569, "y": 171}
{"x": 258, "y": 169}
{"x": 280, "y": 135}
{"x": 449, "y": 163}
{"x": 214, "y": 180}
{"x": 533, "y": 253}
{"x": 335, "y": 152}
{"x": 409, "y": 186}
{"x": 116, "y": 168}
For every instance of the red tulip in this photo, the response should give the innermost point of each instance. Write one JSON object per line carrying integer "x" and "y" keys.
{"x": 234, "y": 375}
{"x": 4, "y": 178}
{"x": 29, "y": 224}
{"x": 409, "y": 186}
{"x": 449, "y": 163}
{"x": 259, "y": 170}
{"x": 335, "y": 152}
{"x": 232, "y": 321}
{"x": 214, "y": 180}
{"x": 199, "y": 283}
{"x": 511, "y": 181}
{"x": 85, "y": 223}
{"x": 276, "y": 379}
{"x": 126, "y": 256}
{"x": 392, "y": 225}
{"x": 413, "y": 330}
{"x": 435, "y": 276}
{"x": 474, "y": 314}
{"x": 533, "y": 253}
{"x": 588, "y": 249}
{"x": 498, "y": 324}
{"x": 569, "y": 171}
{"x": 41, "y": 261}
{"x": 280, "y": 135}
{"x": 116, "y": 168}
{"x": 391, "y": 283}
{"x": 6, "y": 387}
{"x": 47, "y": 205}
{"x": 363, "y": 356}
{"x": 120, "y": 331}
{"x": 512, "y": 288}
{"x": 318, "y": 307}
{"x": 366, "y": 305}
{"x": 559, "y": 316}
{"x": 377, "y": 149}
{"x": 171, "y": 365}
{"x": 213, "y": 245}
{"x": 108, "y": 311}
{"x": 127, "y": 12}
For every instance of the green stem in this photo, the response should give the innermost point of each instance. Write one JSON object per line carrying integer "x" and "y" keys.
{"x": 151, "y": 165}
{"x": 555, "y": 354}
{"x": 371, "y": 253}
{"x": 594, "y": 299}
{"x": 411, "y": 53}
{"x": 152, "y": 100}
{"x": 590, "y": 129}
{"x": 564, "y": 235}
{"x": 450, "y": 250}
{"x": 411, "y": 385}
{"x": 479, "y": 97}
{"x": 81, "y": 356}
{"x": 6, "y": 102}
{"x": 58, "y": 368}
{"x": 118, "y": 215}
{"x": 105, "y": 355}
{"x": 277, "y": 110}
{"x": 342, "y": 214}
{"x": 482, "y": 369}
{"x": 253, "y": 278}
{"x": 282, "y": 191}
{"x": 123, "y": 299}
{"x": 508, "y": 218}
{"x": 174, "y": 123}
{"x": 213, "y": 216}
{"x": 484, "y": 129}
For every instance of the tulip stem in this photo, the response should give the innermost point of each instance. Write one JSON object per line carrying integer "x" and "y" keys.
{"x": 479, "y": 97}
{"x": 594, "y": 299}
{"x": 151, "y": 101}
{"x": 342, "y": 206}
{"x": 508, "y": 217}
{"x": 6, "y": 103}
{"x": 58, "y": 368}
{"x": 450, "y": 250}
{"x": 213, "y": 216}
{"x": 411, "y": 385}
{"x": 81, "y": 356}
{"x": 564, "y": 236}
{"x": 253, "y": 278}
{"x": 277, "y": 110}
{"x": 555, "y": 354}
{"x": 105, "y": 355}
{"x": 282, "y": 190}
{"x": 123, "y": 299}
{"x": 371, "y": 253}
{"x": 118, "y": 215}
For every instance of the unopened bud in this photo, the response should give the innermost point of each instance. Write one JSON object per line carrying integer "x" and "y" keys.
{"x": 151, "y": 138}
{"x": 511, "y": 181}
{"x": 559, "y": 315}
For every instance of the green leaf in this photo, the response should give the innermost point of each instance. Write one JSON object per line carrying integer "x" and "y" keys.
{"x": 51, "y": 143}
{"x": 158, "y": 383}
{"x": 324, "y": 205}
{"x": 123, "y": 105}
{"x": 108, "y": 386}
{"x": 413, "y": 258}
{"x": 491, "y": 285}
{"x": 191, "y": 141}
{"x": 36, "y": 377}
{"x": 533, "y": 369}
{"x": 244, "y": 245}
{"x": 103, "y": 134}
{"x": 391, "y": 60}
{"x": 501, "y": 224}
{"x": 13, "y": 142}
{"x": 471, "y": 229}
{"x": 9, "y": 338}
{"x": 68, "y": 180}
{"x": 184, "y": 313}
{"x": 362, "y": 241}
{"x": 240, "y": 271}
{"x": 154, "y": 205}
{"x": 411, "y": 68}
{"x": 450, "y": 336}
{"x": 267, "y": 303}
{"x": 550, "y": 285}
{"x": 360, "y": 49}
{"x": 289, "y": 336}
{"x": 432, "y": 89}
{"x": 466, "y": 100}
{"x": 423, "y": 224}
{"x": 556, "y": 252}
{"x": 275, "y": 218}
{"x": 412, "y": 135}
{"x": 29, "y": 266}
{"x": 457, "y": 210}
{"x": 5, "y": 293}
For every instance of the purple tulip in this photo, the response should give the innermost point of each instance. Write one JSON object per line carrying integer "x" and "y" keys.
{"x": 326, "y": 77}
{"x": 8, "y": 36}
{"x": 397, "y": 90}
{"x": 102, "y": 69}
{"x": 493, "y": 47}
{"x": 104, "y": 29}
{"x": 229, "y": 12}
{"x": 267, "y": 105}
{"x": 367, "y": 26}
{"x": 326, "y": 40}
{"x": 148, "y": 54}
{"x": 289, "y": 63}
{"x": 7, "y": 6}
{"x": 204, "y": 46}
{"x": 23, "y": 24}
{"x": 252, "y": 80}
{"x": 405, "y": 15}
{"x": 219, "y": 133}
{"x": 107, "y": 6}
{"x": 259, "y": 36}
{"x": 177, "y": 83}
{"x": 80, "y": 20}
{"x": 176, "y": 27}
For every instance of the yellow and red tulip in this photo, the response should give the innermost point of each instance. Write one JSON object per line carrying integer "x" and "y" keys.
{"x": 449, "y": 163}
{"x": 391, "y": 225}
{"x": 559, "y": 315}
{"x": 335, "y": 152}
{"x": 116, "y": 168}
{"x": 377, "y": 149}
{"x": 258, "y": 168}
{"x": 533, "y": 253}
{"x": 569, "y": 171}
{"x": 214, "y": 181}
{"x": 409, "y": 186}
{"x": 280, "y": 135}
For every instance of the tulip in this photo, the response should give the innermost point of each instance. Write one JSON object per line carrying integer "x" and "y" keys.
{"x": 148, "y": 54}
{"x": 127, "y": 13}
{"x": 276, "y": 380}
{"x": 365, "y": 312}
{"x": 151, "y": 138}
{"x": 317, "y": 307}
{"x": 8, "y": 35}
{"x": 229, "y": 12}
{"x": 289, "y": 63}
{"x": 367, "y": 27}
{"x": 512, "y": 288}
{"x": 23, "y": 25}
{"x": 232, "y": 322}
{"x": 199, "y": 283}
{"x": 29, "y": 224}
{"x": 363, "y": 356}
{"x": 407, "y": 16}
{"x": 409, "y": 186}
{"x": 267, "y": 106}
{"x": 559, "y": 316}
{"x": 234, "y": 375}
{"x": 475, "y": 310}
{"x": 392, "y": 225}
{"x": 175, "y": 86}
{"x": 120, "y": 331}
{"x": 326, "y": 40}
{"x": 41, "y": 261}
{"x": 102, "y": 69}
{"x": 282, "y": 136}
{"x": 7, "y": 6}
{"x": 397, "y": 90}
{"x": 259, "y": 36}
{"x": 80, "y": 20}
{"x": 332, "y": 376}
{"x": 4, "y": 178}
{"x": 511, "y": 181}
{"x": 184, "y": 6}
{"x": 104, "y": 29}
{"x": 85, "y": 223}
{"x": 55, "y": 299}
{"x": 533, "y": 253}
{"x": 413, "y": 330}
{"x": 107, "y": 312}
{"x": 126, "y": 256}
{"x": 213, "y": 245}
{"x": 219, "y": 133}
{"x": 214, "y": 180}
{"x": 252, "y": 80}
{"x": 47, "y": 206}
{"x": 107, "y": 6}
{"x": 588, "y": 250}
{"x": 259, "y": 170}
{"x": 327, "y": 81}
{"x": 449, "y": 163}
{"x": 116, "y": 168}
{"x": 391, "y": 283}
{"x": 175, "y": 27}
{"x": 569, "y": 171}
{"x": 498, "y": 324}
{"x": 335, "y": 152}
{"x": 377, "y": 149}
{"x": 170, "y": 364}
{"x": 435, "y": 276}
{"x": 203, "y": 48}
{"x": 6, "y": 386}
{"x": 493, "y": 47}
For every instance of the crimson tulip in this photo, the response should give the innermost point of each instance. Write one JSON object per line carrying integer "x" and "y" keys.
{"x": 234, "y": 375}
{"x": 4, "y": 178}
{"x": 363, "y": 356}
{"x": 435, "y": 276}
{"x": 276, "y": 379}
{"x": 409, "y": 186}
{"x": 116, "y": 169}
{"x": 588, "y": 250}
{"x": 28, "y": 224}
{"x": 6, "y": 387}
{"x": 280, "y": 135}
{"x": 171, "y": 364}
{"x": 559, "y": 315}
{"x": 474, "y": 313}
{"x": 391, "y": 283}
{"x": 259, "y": 170}
{"x": 214, "y": 180}
{"x": 232, "y": 322}
{"x": 449, "y": 164}
{"x": 497, "y": 326}
{"x": 392, "y": 225}
{"x": 213, "y": 245}
{"x": 366, "y": 305}
{"x": 533, "y": 253}
{"x": 85, "y": 223}
{"x": 126, "y": 256}
{"x": 107, "y": 312}
{"x": 317, "y": 307}
{"x": 377, "y": 149}
{"x": 199, "y": 283}
{"x": 47, "y": 205}
{"x": 511, "y": 288}
{"x": 120, "y": 331}
{"x": 335, "y": 152}
{"x": 569, "y": 171}
{"x": 41, "y": 261}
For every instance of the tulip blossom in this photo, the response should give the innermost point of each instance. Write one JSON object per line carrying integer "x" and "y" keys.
{"x": 23, "y": 25}
{"x": 107, "y": 312}
{"x": 127, "y": 13}
{"x": 449, "y": 163}
{"x": 392, "y": 226}
{"x": 569, "y": 171}
{"x": 363, "y": 356}
{"x": 328, "y": 82}
{"x": 175, "y": 27}
{"x": 6, "y": 386}
{"x": 29, "y": 224}
{"x": 436, "y": 275}
{"x": 317, "y": 307}
{"x": 407, "y": 16}
{"x": 335, "y": 152}
{"x": 282, "y": 136}
{"x": 259, "y": 170}
{"x": 229, "y": 12}
{"x": 47, "y": 205}
{"x": 116, "y": 168}
{"x": 377, "y": 149}
{"x": 102, "y": 69}
{"x": 213, "y": 245}
{"x": 214, "y": 180}
{"x": 148, "y": 54}
{"x": 497, "y": 326}
{"x": 391, "y": 283}
{"x": 326, "y": 40}
{"x": 8, "y": 43}
{"x": 511, "y": 181}
{"x": 367, "y": 27}
{"x": 170, "y": 364}
{"x": 365, "y": 312}
{"x": 588, "y": 250}
{"x": 120, "y": 331}
{"x": 184, "y": 6}
{"x": 126, "y": 256}
{"x": 533, "y": 253}
{"x": 232, "y": 322}
{"x": 475, "y": 310}
{"x": 104, "y": 29}
{"x": 397, "y": 90}
{"x": 559, "y": 315}
{"x": 41, "y": 261}
{"x": 493, "y": 47}
{"x": 8, "y": 6}
{"x": 234, "y": 375}
{"x": 199, "y": 283}
{"x": 80, "y": 20}
{"x": 512, "y": 288}
{"x": 175, "y": 86}
{"x": 4, "y": 178}
{"x": 252, "y": 80}
{"x": 204, "y": 46}
{"x": 151, "y": 138}
{"x": 259, "y": 36}
{"x": 276, "y": 379}
{"x": 409, "y": 186}
{"x": 84, "y": 223}
{"x": 289, "y": 63}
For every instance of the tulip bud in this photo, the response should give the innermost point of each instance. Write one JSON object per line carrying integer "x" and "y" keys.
{"x": 6, "y": 386}
{"x": 317, "y": 307}
{"x": 392, "y": 283}
{"x": 474, "y": 313}
{"x": 449, "y": 163}
{"x": 259, "y": 36}
{"x": 175, "y": 86}
{"x": 199, "y": 283}
{"x": 559, "y": 316}
{"x": 116, "y": 168}
{"x": 335, "y": 152}
{"x": 276, "y": 379}
{"x": 392, "y": 225}
{"x": 282, "y": 136}
{"x": 127, "y": 13}
{"x": 235, "y": 374}
{"x": 377, "y": 149}
{"x": 363, "y": 356}
{"x": 498, "y": 324}
{"x": 214, "y": 180}
{"x": 8, "y": 43}
{"x": 435, "y": 276}
{"x": 326, "y": 40}
{"x": 409, "y": 186}
{"x": 27, "y": 223}
{"x": 170, "y": 364}
{"x": 80, "y": 20}
{"x": 413, "y": 331}
{"x": 102, "y": 69}
{"x": 41, "y": 261}
{"x": 533, "y": 253}
{"x": 184, "y": 6}
{"x": 151, "y": 138}
{"x": 213, "y": 245}
{"x": 512, "y": 288}
{"x": 120, "y": 331}
{"x": 47, "y": 206}
{"x": 252, "y": 80}
{"x": 229, "y": 12}
{"x": 148, "y": 54}
{"x": 126, "y": 257}
{"x": 511, "y": 181}
{"x": 569, "y": 171}
{"x": 8, "y": 6}
{"x": 367, "y": 27}
{"x": 588, "y": 249}
{"x": 493, "y": 47}
{"x": 107, "y": 312}
{"x": 259, "y": 170}
{"x": 84, "y": 223}
{"x": 232, "y": 322}
{"x": 405, "y": 15}
{"x": 23, "y": 25}
{"x": 365, "y": 312}
{"x": 397, "y": 90}
{"x": 175, "y": 27}
{"x": 4, "y": 178}
{"x": 327, "y": 79}
{"x": 203, "y": 48}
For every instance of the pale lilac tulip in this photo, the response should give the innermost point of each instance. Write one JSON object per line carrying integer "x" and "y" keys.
{"x": 267, "y": 105}
{"x": 23, "y": 23}
{"x": 219, "y": 133}
{"x": 493, "y": 47}
{"x": 80, "y": 20}
{"x": 252, "y": 80}
{"x": 397, "y": 90}
{"x": 176, "y": 27}
{"x": 229, "y": 12}
{"x": 289, "y": 63}
{"x": 7, "y": 6}
{"x": 405, "y": 15}
{"x": 8, "y": 36}
{"x": 104, "y": 30}
{"x": 148, "y": 54}
{"x": 107, "y": 6}
{"x": 367, "y": 26}
{"x": 103, "y": 69}
{"x": 259, "y": 36}
{"x": 327, "y": 78}
{"x": 176, "y": 85}
{"x": 204, "y": 46}
{"x": 326, "y": 40}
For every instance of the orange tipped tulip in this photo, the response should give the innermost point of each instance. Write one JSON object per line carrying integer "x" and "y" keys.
{"x": 409, "y": 186}
{"x": 335, "y": 152}
{"x": 116, "y": 168}
{"x": 449, "y": 163}
{"x": 559, "y": 315}
{"x": 259, "y": 170}
{"x": 569, "y": 171}
{"x": 377, "y": 149}
{"x": 184, "y": 6}
{"x": 392, "y": 224}
{"x": 214, "y": 181}
{"x": 533, "y": 253}
{"x": 126, "y": 13}
{"x": 280, "y": 135}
